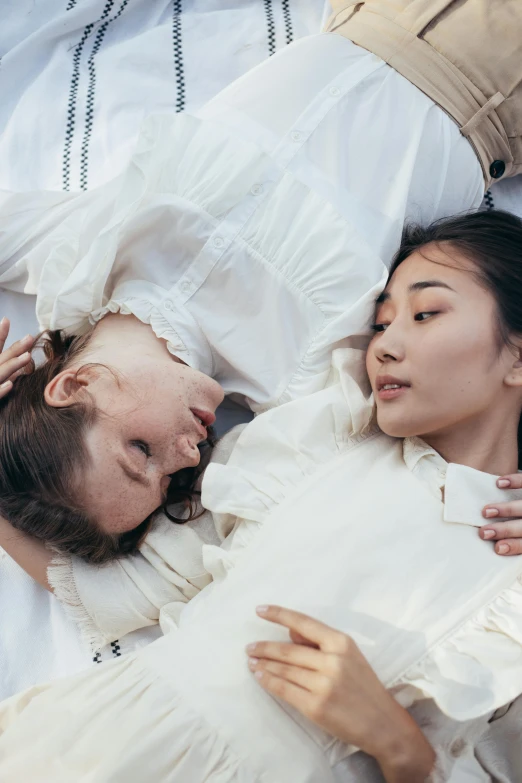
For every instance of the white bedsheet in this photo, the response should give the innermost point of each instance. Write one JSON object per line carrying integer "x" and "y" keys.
{"x": 77, "y": 78}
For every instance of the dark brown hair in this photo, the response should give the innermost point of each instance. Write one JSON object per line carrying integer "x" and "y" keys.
{"x": 42, "y": 454}
{"x": 492, "y": 241}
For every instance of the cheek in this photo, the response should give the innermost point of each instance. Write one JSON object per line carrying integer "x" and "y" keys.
{"x": 371, "y": 362}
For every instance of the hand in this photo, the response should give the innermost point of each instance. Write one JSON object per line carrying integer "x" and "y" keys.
{"x": 507, "y": 535}
{"x": 323, "y": 674}
{"x": 15, "y": 361}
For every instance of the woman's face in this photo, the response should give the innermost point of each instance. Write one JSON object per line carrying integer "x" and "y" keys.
{"x": 435, "y": 361}
{"x": 148, "y": 427}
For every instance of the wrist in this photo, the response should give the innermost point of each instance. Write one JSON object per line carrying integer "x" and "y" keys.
{"x": 405, "y": 755}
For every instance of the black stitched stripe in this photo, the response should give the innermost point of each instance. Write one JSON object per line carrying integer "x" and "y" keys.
{"x": 71, "y": 109}
{"x": 70, "y": 5}
{"x": 177, "y": 44}
{"x": 488, "y": 200}
{"x": 270, "y": 27}
{"x": 287, "y": 16}
{"x": 116, "y": 649}
{"x": 97, "y": 657}
{"x": 73, "y": 94}
{"x": 89, "y": 108}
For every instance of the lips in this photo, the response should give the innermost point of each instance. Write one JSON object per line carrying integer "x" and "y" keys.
{"x": 203, "y": 419}
{"x": 388, "y": 382}
{"x": 389, "y": 387}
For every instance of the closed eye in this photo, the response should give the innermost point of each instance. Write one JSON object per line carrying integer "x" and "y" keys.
{"x": 142, "y": 446}
{"x": 379, "y": 327}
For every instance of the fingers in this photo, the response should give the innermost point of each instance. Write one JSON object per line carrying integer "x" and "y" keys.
{"x": 11, "y": 368}
{"x": 313, "y": 630}
{"x": 4, "y": 332}
{"x": 498, "y": 510}
{"x": 304, "y": 678}
{"x": 507, "y": 536}
{"x": 5, "y": 388}
{"x": 292, "y": 694}
{"x": 298, "y": 639}
{"x": 512, "y": 546}
{"x": 286, "y": 652}
{"x": 511, "y": 481}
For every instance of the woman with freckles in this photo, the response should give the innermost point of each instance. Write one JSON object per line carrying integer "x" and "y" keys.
{"x": 354, "y": 537}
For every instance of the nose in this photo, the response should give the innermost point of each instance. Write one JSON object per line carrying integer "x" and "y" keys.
{"x": 388, "y": 346}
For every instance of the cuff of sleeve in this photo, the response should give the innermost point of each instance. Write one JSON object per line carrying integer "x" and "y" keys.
{"x": 60, "y": 575}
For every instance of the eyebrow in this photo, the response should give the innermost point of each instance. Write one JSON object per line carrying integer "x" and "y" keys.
{"x": 421, "y": 285}
{"x": 134, "y": 475}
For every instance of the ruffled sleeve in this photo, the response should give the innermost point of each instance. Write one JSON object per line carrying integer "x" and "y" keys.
{"x": 478, "y": 667}
{"x": 109, "y": 601}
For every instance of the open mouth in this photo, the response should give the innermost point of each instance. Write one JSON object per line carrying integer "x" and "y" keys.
{"x": 389, "y": 388}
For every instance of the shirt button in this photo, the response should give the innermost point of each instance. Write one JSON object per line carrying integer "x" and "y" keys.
{"x": 256, "y": 190}
{"x": 168, "y": 304}
{"x": 497, "y": 169}
{"x": 296, "y": 136}
{"x": 185, "y": 287}
{"x": 219, "y": 241}
{"x": 335, "y": 91}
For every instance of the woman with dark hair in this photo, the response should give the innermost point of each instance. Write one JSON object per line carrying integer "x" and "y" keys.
{"x": 368, "y": 525}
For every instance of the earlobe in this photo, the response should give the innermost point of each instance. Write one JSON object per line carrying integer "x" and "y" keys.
{"x": 514, "y": 376}
{"x": 63, "y": 390}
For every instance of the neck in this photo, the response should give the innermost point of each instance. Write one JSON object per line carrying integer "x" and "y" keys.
{"x": 490, "y": 446}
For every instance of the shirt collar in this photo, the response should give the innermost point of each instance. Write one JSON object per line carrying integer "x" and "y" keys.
{"x": 466, "y": 490}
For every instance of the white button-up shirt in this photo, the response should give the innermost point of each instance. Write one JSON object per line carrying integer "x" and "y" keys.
{"x": 254, "y": 237}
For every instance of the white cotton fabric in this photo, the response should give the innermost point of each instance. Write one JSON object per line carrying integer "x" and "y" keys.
{"x": 432, "y": 607}
{"x": 278, "y": 218}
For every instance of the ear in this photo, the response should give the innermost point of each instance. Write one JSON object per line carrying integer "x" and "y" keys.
{"x": 514, "y": 374}
{"x": 64, "y": 388}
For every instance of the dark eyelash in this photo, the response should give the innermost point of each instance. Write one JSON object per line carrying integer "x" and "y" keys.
{"x": 142, "y": 446}
{"x": 378, "y": 327}
{"x": 425, "y": 312}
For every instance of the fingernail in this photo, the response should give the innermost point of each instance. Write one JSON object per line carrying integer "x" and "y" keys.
{"x": 251, "y": 647}
{"x": 491, "y": 512}
{"x": 502, "y": 549}
{"x": 24, "y": 356}
{"x": 252, "y": 662}
{"x": 261, "y": 609}
{"x": 2, "y": 322}
{"x": 258, "y": 674}
{"x": 488, "y": 534}
{"x": 503, "y": 483}
{"x": 6, "y": 385}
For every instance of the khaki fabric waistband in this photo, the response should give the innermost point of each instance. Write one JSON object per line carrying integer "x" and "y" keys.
{"x": 416, "y": 60}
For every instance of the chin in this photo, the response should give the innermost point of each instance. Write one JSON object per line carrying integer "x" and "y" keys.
{"x": 396, "y": 427}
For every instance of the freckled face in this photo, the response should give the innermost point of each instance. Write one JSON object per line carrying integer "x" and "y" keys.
{"x": 435, "y": 360}
{"x": 150, "y": 425}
